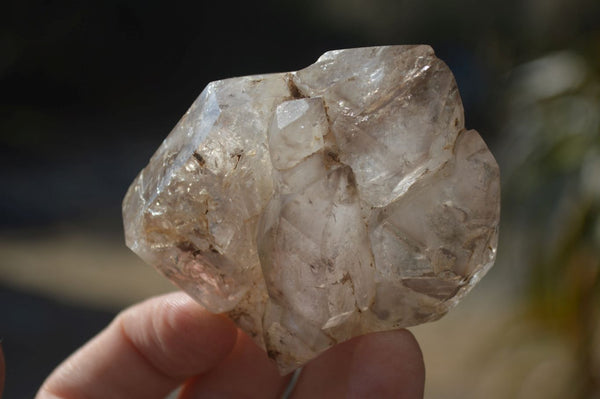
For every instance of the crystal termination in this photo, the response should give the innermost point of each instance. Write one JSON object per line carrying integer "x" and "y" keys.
{"x": 317, "y": 205}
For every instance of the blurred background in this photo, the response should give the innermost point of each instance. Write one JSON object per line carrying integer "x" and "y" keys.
{"x": 90, "y": 89}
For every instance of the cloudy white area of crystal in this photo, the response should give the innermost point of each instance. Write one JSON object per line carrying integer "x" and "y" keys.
{"x": 316, "y": 205}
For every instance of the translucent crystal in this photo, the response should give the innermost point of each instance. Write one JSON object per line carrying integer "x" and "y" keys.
{"x": 317, "y": 205}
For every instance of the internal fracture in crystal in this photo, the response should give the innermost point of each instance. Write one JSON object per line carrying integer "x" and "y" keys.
{"x": 317, "y": 205}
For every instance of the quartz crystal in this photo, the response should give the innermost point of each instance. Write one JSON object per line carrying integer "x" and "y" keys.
{"x": 317, "y": 205}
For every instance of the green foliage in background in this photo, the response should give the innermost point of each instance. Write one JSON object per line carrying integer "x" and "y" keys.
{"x": 552, "y": 202}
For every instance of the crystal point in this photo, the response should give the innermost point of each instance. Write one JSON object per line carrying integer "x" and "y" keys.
{"x": 317, "y": 205}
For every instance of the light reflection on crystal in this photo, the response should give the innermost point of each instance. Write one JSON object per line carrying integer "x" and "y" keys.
{"x": 316, "y": 205}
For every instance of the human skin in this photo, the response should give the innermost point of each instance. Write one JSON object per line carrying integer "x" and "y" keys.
{"x": 153, "y": 347}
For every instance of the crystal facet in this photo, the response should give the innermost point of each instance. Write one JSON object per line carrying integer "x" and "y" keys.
{"x": 317, "y": 205}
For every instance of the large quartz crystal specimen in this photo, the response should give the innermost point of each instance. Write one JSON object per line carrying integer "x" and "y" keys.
{"x": 317, "y": 205}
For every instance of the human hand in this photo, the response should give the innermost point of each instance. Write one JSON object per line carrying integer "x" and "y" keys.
{"x": 155, "y": 346}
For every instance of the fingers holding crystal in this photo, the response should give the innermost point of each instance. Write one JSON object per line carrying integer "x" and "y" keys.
{"x": 380, "y": 365}
{"x": 246, "y": 373}
{"x": 146, "y": 352}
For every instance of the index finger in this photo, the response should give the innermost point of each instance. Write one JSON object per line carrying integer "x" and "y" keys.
{"x": 146, "y": 352}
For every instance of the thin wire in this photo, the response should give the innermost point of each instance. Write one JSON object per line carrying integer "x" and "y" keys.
{"x": 292, "y": 384}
